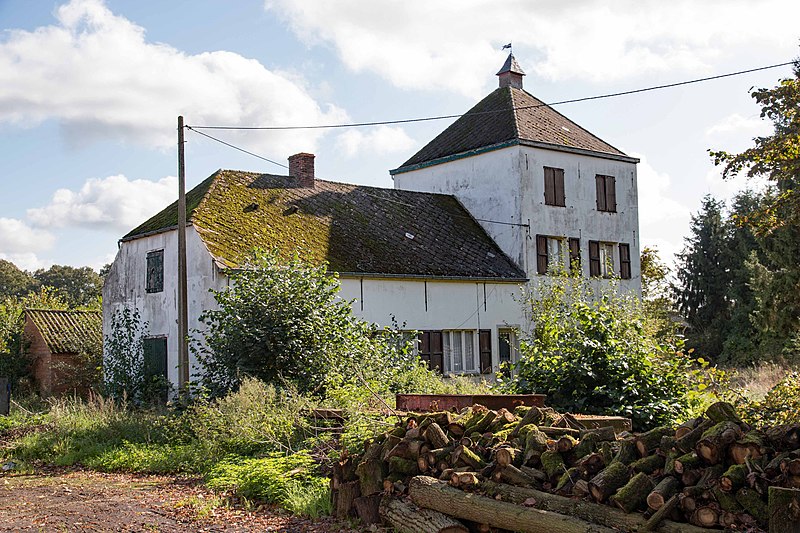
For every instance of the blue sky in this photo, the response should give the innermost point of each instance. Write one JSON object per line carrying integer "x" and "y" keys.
{"x": 91, "y": 90}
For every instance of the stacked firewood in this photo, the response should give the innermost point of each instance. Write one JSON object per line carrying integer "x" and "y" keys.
{"x": 714, "y": 471}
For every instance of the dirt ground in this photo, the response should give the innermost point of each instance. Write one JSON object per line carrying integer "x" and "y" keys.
{"x": 91, "y": 501}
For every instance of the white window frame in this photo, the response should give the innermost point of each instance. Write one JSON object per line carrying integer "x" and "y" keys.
{"x": 513, "y": 340}
{"x": 457, "y": 345}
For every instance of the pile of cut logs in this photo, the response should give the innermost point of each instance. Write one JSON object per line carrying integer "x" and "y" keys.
{"x": 535, "y": 470}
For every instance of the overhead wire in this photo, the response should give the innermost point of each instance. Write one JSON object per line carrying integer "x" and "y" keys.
{"x": 520, "y": 108}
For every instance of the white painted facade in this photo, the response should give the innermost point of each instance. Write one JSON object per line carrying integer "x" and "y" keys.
{"x": 506, "y": 186}
{"x": 411, "y": 304}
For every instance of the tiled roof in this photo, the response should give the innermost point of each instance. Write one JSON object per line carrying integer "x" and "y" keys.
{"x": 67, "y": 331}
{"x": 355, "y": 229}
{"x": 509, "y": 114}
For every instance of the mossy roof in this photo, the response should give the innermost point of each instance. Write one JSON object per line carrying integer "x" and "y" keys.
{"x": 354, "y": 228}
{"x": 509, "y": 114}
{"x": 67, "y": 331}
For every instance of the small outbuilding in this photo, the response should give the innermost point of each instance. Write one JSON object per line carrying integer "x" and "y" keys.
{"x": 60, "y": 344}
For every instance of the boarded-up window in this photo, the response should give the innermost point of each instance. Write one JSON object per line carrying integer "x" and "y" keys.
{"x": 430, "y": 349}
{"x": 554, "y": 186}
{"x": 574, "y": 255}
{"x": 485, "y": 346}
{"x": 155, "y": 271}
{"x": 594, "y": 258}
{"x": 624, "y": 261}
{"x": 606, "y": 193}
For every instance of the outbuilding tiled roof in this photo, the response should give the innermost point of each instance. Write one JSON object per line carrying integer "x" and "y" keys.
{"x": 355, "y": 229}
{"x": 67, "y": 331}
{"x": 507, "y": 115}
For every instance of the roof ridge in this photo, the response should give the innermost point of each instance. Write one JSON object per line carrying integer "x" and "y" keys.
{"x": 214, "y": 179}
{"x": 515, "y": 111}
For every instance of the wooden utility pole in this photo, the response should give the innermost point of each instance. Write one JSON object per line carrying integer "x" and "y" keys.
{"x": 183, "y": 315}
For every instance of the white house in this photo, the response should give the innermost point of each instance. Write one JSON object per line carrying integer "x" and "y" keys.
{"x": 506, "y": 192}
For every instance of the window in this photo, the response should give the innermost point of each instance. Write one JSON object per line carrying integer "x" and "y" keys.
{"x": 606, "y": 193}
{"x": 155, "y": 365}
{"x": 574, "y": 255}
{"x": 554, "y": 186}
{"x": 155, "y": 271}
{"x": 601, "y": 259}
{"x": 508, "y": 350}
{"x": 624, "y": 260}
{"x": 552, "y": 253}
{"x": 459, "y": 351}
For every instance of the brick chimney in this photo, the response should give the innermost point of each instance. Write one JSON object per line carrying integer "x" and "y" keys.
{"x": 301, "y": 166}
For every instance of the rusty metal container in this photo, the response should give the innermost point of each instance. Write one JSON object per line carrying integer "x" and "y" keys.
{"x": 448, "y": 402}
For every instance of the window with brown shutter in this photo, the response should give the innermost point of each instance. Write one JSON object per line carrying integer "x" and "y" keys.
{"x": 541, "y": 254}
{"x": 624, "y": 261}
{"x": 554, "y": 187}
{"x": 594, "y": 258}
{"x": 606, "y": 189}
{"x": 485, "y": 347}
{"x": 574, "y": 255}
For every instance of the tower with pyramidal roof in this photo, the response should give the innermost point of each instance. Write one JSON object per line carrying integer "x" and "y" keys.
{"x": 551, "y": 194}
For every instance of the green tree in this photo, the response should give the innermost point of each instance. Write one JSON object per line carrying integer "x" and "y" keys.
{"x": 774, "y": 271}
{"x": 775, "y": 157}
{"x": 283, "y": 321}
{"x": 704, "y": 276}
{"x": 597, "y": 355}
{"x": 13, "y": 281}
{"x": 79, "y": 286}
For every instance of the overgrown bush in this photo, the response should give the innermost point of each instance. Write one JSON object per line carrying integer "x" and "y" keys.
{"x": 592, "y": 353}
{"x": 781, "y": 405}
{"x": 124, "y": 371}
{"x": 283, "y": 322}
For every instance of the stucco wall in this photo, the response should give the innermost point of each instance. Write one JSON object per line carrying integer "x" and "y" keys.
{"x": 507, "y": 185}
{"x": 409, "y": 304}
{"x": 437, "y": 305}
{"x": 125, "y": 286}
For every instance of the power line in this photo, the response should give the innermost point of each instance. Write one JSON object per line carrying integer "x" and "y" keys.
{"x": 236, "y": 147}
{"x": 444, "y": 117}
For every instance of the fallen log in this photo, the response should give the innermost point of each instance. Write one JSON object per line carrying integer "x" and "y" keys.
{"x": 591, "y": 512}
{"x": 784, "y": 510}
{"x": 430, "y": 493}
{"x": 408, "y": 518}
{"x": 665, "y": 489}
{"x": 633, "y": 494}
{"x": 661, "y": 513}
{"x": 608, "y": 480}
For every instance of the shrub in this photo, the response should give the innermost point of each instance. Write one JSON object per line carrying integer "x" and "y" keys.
{"x": 594, "y": 354}
{"x": 269, "y": 478}
{"x": 781, "y": 405}
{"x": 256, "y": 418}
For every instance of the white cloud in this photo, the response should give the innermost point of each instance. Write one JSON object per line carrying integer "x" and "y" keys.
{"x": 26, "y": 261}
{"x": 115, "y": 202}
{"x": 19, "y": 243}
{"x": 655, "y": 196}
{"x": 96, "y": 74}
{"x": 452, "y": 44}
{"x": 726, "y": 189}
{"x": 17, "y": 237}
{"x": 375, "y": 141}
{"x": 738, "y": 125}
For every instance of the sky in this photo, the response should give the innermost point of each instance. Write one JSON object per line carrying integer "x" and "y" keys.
{"x": 90, "y": 92}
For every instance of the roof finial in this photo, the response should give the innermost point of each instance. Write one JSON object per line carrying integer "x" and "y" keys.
{"x": 511, "y": 73}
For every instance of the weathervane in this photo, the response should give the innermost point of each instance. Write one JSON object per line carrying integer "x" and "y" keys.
{"x": 509, "y": 47}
